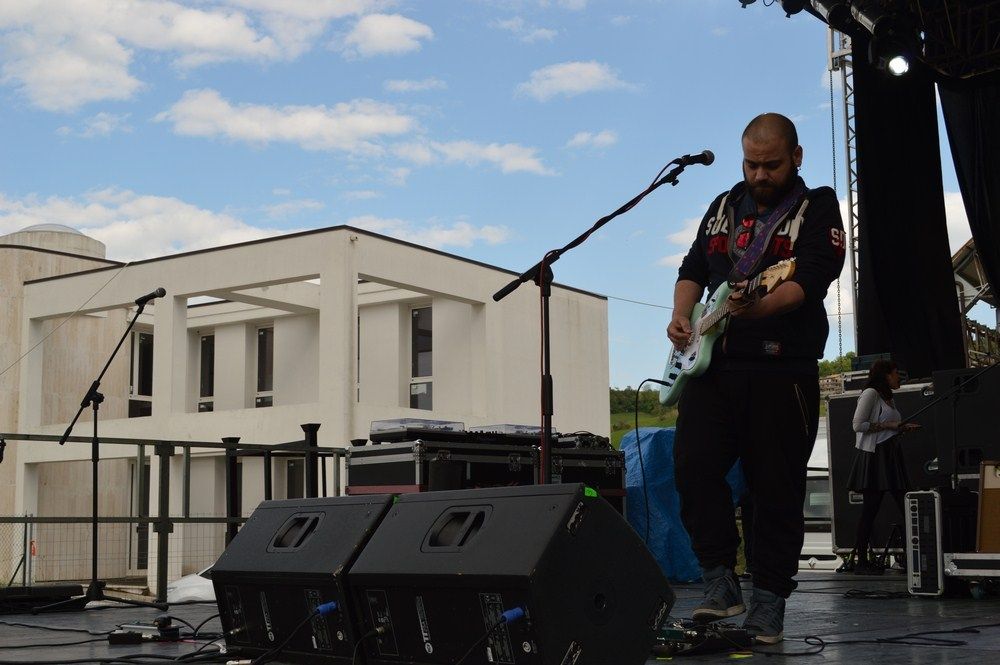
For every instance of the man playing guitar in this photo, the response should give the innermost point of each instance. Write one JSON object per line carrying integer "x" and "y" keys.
{"x": 758, "y": 401}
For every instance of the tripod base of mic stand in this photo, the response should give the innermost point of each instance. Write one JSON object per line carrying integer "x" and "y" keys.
{"x": 95, "y": 593}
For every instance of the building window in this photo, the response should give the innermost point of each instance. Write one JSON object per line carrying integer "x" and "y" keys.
{"x": 265, "y": 367}
{"x": 295, "y": 478}
{"x": 140, "y": 402}
{"x": 206, "y": 390}
{"x": 421, "y": 367}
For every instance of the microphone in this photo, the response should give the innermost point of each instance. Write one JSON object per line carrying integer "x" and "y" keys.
{"x": 158, "y": 293}
{"x": 705, "y": 157}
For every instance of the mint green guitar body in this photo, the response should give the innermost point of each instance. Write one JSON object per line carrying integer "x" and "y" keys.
{"x": 694, "y": 359}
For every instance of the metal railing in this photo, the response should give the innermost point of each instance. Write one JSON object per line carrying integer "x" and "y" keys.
{"x": 22, "y": 537}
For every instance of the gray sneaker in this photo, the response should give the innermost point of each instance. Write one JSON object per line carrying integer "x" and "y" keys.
{"x": 766, "y": 620}
{"x": 723, "y": 596}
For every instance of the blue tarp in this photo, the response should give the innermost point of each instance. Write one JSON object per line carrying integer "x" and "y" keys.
{"x": 668, "y": 541}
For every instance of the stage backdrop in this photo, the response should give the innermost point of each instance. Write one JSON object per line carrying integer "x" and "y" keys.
{"x": 907, "y": 304}
{"x": 972, "y": 117}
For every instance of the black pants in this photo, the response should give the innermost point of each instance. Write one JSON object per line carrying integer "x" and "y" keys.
{"x": 769, "y": 420}
{"x": 872, "y": 502}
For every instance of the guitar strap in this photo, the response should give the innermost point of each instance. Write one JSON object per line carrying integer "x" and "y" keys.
{"x": 746, "y": 265}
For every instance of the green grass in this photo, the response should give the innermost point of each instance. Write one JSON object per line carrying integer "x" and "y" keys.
{"x": 625, "y": 422}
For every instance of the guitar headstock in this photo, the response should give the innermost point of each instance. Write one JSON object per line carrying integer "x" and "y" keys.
{"x": 776, "y": 274}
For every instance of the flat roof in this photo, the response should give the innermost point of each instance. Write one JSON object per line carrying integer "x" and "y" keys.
{"x": 328, "y": 229}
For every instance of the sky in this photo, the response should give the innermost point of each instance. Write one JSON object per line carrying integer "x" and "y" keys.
{"x": 492, "y": 129}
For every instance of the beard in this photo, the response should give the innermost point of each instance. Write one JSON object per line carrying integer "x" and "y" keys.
{"x": 771, "y": 195}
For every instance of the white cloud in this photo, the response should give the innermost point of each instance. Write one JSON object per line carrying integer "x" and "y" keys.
{"x": 689, "y": 227}
{"x": 281, "y": 191}
{"x": 508, "y": 157}
{"x": 672, "y": 260}
{"x": 570, "y": 79}
{"x": 397, "y": 85}
{"x": 62, "y": 54}
{"x": 575, "y": 5}
{"x": 62, "y": 75}
{"x": 310, "y": 9}
{"x": 621, "y": 20}
{"x": 602, "y": 139}
{"x": 721, "y": 31}
{"x": 397, "y": 176}
{"x": 361, "y": 195}
{"x": 384, "y": 34}
{"x": 99, "y": 125}
{"x": 133, "y": 226}
{"x": 959, "y": 231}
{"x": 459, "y": 234}
{"x": 523, "y": 31}
{"x": 352, "y": 126}
{"x": 282, "y": 211}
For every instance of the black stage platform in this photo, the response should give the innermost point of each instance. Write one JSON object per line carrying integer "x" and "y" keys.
{"x": 819, "y": 608}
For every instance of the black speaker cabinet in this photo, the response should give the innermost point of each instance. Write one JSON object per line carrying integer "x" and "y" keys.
{"x": 919, "y": 449}
{"x": 290, "y": 557}
{"x": 444, "y": 566}
{"x": 971, "y": 417}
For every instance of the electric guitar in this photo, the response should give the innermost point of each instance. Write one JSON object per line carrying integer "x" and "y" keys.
{"x": 708, "y": 321}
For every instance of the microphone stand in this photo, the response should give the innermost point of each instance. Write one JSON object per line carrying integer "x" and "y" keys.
{"x": 93, "y": 399}
{"x": 541, "y": 274}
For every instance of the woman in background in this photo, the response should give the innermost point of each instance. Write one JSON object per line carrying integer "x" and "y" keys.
{"x": 878, "y": 463}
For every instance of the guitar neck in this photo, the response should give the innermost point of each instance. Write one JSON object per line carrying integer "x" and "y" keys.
{"x": 724, "y": 308}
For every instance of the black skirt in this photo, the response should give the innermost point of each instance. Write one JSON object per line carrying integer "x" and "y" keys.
{"x": 882, "y": 470}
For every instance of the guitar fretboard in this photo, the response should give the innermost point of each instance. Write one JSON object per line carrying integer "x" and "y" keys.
{"x": 724, "y": 308}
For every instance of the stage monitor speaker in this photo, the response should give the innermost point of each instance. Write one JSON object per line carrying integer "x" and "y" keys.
{"x": 444, "y": 567}
{"x": 919, "y": 450}
{"x": 972, "y": 416}
{"x": 290, "y": 557}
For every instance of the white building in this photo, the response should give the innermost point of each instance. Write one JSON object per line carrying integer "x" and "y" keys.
{"x": 336, "y": 326}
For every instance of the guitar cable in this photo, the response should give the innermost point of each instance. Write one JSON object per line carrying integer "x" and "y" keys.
{"x": 638, "y": 449}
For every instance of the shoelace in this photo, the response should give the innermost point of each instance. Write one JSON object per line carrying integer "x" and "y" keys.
{"x": 718, "y": 589}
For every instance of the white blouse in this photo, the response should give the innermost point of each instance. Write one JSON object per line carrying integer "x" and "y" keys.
{"x": 873, "y": 409}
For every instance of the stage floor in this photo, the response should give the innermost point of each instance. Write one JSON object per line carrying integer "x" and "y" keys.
{"x": 818, "y": 608}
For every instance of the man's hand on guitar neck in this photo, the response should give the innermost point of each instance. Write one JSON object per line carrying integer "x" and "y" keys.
{"x": 785, "y": 298}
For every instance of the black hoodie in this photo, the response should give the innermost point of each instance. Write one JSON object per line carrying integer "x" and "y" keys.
{"x": 813, "y": 233}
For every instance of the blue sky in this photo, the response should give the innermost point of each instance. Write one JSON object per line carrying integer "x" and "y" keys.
{"x": 491, "y": 129}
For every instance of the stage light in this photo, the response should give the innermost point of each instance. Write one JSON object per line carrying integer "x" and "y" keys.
{"x": 890, "y": 54}
{"x": 898, "y": 65}
{"x": 744, "y": 3}
{"x": 836, "y": 13}
{"x": 793, "y": 6}
{"x": 873, "y": 19}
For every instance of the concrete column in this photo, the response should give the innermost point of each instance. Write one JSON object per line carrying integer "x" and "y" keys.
{"x": 338, "y": 347}
{"x": 170, "y": 358}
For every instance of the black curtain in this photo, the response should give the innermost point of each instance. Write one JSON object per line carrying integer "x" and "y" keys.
{"x": 907, "y": 303}
{"x": 972, "y": 118}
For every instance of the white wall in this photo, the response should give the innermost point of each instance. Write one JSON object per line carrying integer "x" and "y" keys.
{"x": 296, "y": 360}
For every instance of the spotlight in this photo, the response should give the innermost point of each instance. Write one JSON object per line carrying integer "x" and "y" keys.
{"x": 836, "y": 13}
{"x": 793, "y": 6}
{"x": 744, "y": 3}
{"x": 873, "y": 19}
{"x": 898, "y": 65}
{"x": 890, "y": 54}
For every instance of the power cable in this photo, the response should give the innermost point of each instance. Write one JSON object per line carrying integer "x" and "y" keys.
{"x": 64, "y": 321}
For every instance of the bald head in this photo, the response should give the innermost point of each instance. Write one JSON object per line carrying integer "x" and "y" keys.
{"x": 767, "y": 127}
